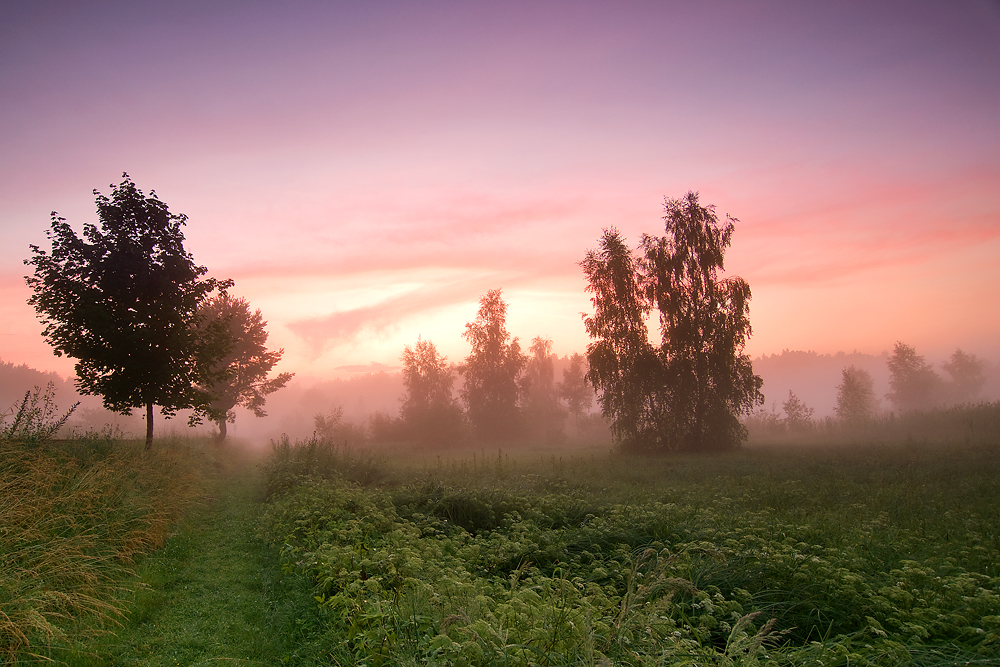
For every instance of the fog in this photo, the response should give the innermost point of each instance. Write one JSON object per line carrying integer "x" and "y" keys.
{"x": 813, "y": 377}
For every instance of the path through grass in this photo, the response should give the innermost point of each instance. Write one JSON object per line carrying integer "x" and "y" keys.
{"x": 215, "y": 593}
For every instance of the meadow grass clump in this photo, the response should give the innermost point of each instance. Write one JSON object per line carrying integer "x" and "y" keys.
{"x": 319, "y": 458}
{"x": 74, "y": 517}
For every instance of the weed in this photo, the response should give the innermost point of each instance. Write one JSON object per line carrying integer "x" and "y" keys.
{"x": 36, "y": 418}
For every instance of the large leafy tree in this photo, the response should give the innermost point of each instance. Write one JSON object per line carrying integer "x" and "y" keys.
{"x": 123, "y": 300}
{"x": 623, "y": 365}
{"x": 239, "y": 376}
{"x": 491, "y": 371}
{"x": 429, "y": 411}
{"x": 688, "y": 392}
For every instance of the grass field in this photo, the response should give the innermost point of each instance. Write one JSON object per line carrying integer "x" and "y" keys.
{"x": 830, "y": 554}
{"x": 881, "y": 551}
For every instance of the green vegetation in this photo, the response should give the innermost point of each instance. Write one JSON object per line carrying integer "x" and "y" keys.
{"x": 74, "y": 518}
{"x": 215, "y": 593}
{"x": 877, "y": 554}
{"x": 877, "y": 551}
{"x": 123, "y": 301}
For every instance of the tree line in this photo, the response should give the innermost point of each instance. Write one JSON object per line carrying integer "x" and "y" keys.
{"x": 148, "y": 328}
{"x": 506, "y": 395}
{"x": 686, "y": 393}
{"x": 914, "y": 386}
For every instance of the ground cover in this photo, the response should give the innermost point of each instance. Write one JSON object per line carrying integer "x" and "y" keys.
{"x": 75, "y": 517}
{"x": 878, "y": 554}
{"x": 215, "y": 592}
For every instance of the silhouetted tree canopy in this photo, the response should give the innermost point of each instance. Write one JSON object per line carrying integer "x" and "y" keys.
{"x": 429, "y": 412}
{"x": 913, "y": 384}
{"x": 123, "y": 300}
{"x": 240, "y": 372}
{"x": 856, "y": 400}
{"x": 686, "y": 393}
{"x": 491, "y": 372}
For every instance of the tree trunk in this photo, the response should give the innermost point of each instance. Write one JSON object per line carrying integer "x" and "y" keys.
{"x": 222, "y": 431}
{"x": 149, "y": 426}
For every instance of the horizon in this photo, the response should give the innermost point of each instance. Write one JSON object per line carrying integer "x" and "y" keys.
{"x": 367, "y": 174}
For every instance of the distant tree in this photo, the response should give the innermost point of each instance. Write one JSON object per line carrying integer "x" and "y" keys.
{"x": 428, "y": 411}
{"x": 574, "y": 389}
{"x": 688, "y": 393}
{"x": 385, "y": 428}
{"x": 913, "y": 384}
{"x": 539, "y": 394}
{"x": 239, "y": 377}
{"x": 332, "y": 428}
{"x": 798, "y": 417}
{"x": 123, "y": 300}
{"x": 765, "y": 421}
{"x": 856, "y": 400}
{"x": 967, "y": 376}
{"x": 491, "y": 371}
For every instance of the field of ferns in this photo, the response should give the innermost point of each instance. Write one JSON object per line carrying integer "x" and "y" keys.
{"x": 865, "y": 553}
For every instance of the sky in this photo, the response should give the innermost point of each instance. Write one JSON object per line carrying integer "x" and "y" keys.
{"x": 365, "y": 172}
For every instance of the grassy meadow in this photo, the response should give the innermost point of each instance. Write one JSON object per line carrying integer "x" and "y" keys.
{"x": 878, "y": 546}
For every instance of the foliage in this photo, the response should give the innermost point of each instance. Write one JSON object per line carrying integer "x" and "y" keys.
{"x": 869, "y": 555}
{"x": 332, "y": 428}
{"x": 36, "y": 419}
{"x": 491, "y": 372}
{"x": 239, "y": 375}
{"x": 123, "y": 301}
{"x": 622, "y": 363}
{"x": 429, "y": 412}
{"x": 292, "y": 464}
{"x": 543, "y": 416}
{"x": 954, "y": 425}
{"x": 913, "y": 384}
{"x": 73, "y": 520}
{"x": 687, "y": 393}
{"x": 967, "y": 376}
{"x": 798, "y": 417}
{"x": 856, "y": 400}
{"x": 574, "y": 389}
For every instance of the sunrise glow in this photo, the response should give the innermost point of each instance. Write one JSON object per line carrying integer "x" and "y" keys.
{"x": 365, "y": 172}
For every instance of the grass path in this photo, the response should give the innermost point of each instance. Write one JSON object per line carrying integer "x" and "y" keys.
{"x": 215, "y": 594}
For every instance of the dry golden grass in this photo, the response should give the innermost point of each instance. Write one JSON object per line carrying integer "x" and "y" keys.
{"x": 70, "y": 527}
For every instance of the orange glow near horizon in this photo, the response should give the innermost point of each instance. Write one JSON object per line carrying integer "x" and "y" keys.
{"x": 366, "y": 175}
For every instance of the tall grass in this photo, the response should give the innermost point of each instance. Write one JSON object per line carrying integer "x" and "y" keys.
{"x": 73, "y": 519}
